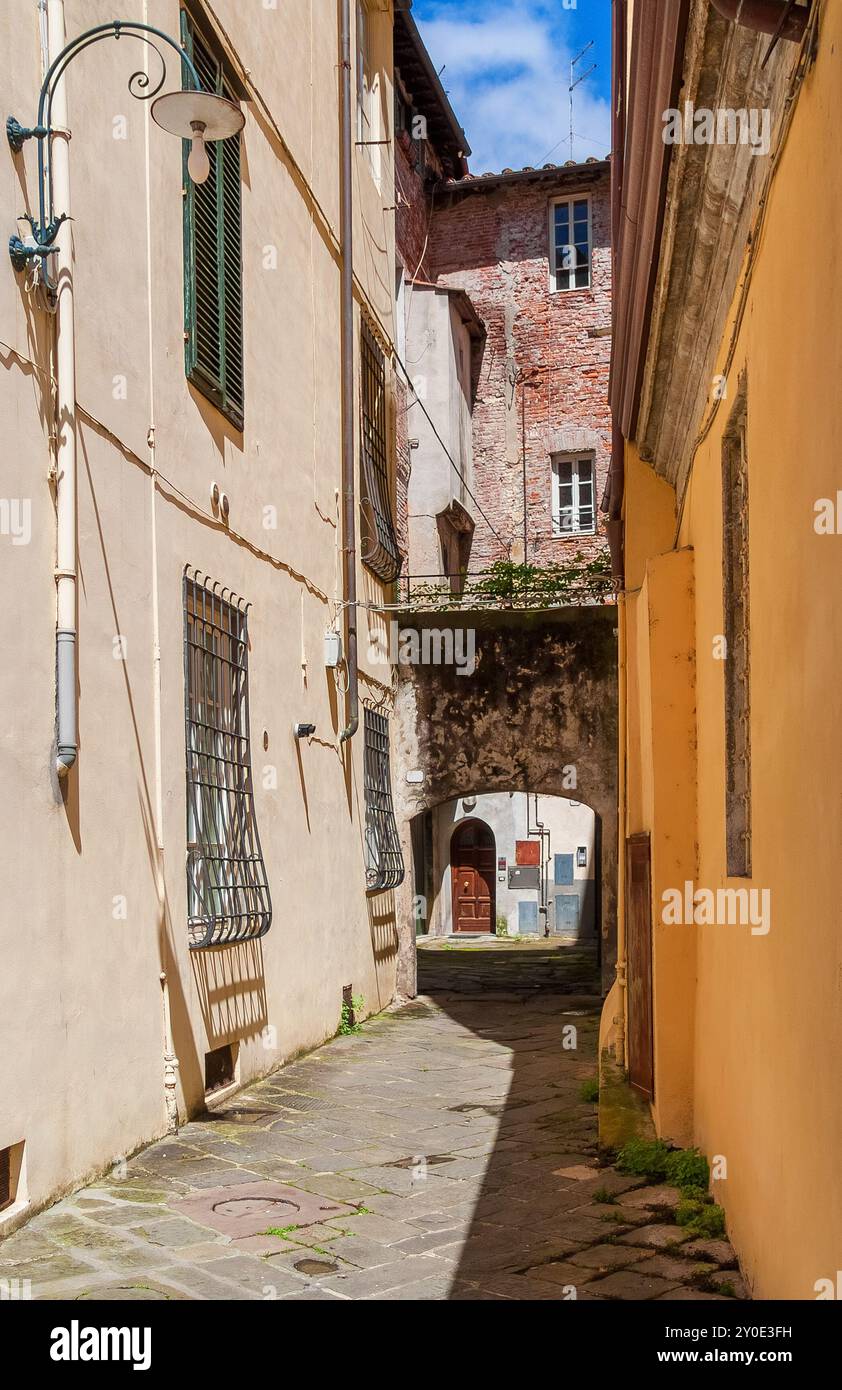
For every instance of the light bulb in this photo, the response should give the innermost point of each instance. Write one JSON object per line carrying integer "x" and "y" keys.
{"x": 198, "y": 164}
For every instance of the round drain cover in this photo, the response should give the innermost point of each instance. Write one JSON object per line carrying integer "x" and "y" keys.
{"x": 252, "y": 1206}
{"x": 316, "y": 1266}
{"x": 132, "y": 1293}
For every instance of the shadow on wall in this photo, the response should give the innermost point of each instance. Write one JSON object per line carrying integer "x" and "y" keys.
{"x": 231, "y": 987}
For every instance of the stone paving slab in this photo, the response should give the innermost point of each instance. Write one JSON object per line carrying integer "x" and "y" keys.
{"x": 441, "y": 1153}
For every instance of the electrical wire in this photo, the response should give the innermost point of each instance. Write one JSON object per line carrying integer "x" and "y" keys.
{"x": 454, "y": 465}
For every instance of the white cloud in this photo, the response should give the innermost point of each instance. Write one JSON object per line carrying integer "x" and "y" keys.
{"x": 507, "y": 75}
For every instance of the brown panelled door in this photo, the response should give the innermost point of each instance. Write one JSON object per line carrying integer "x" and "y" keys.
{"x": 472, "y": 865}
{"x": 639, "y": 964}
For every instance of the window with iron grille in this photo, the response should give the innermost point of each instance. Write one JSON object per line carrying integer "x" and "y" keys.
{"x": 383, "y": 855}
{"x": 737, "y": 655}
{"x": 227, "y": 891}
{"x": 379, "y": 543}
{"x": 213, "y": 269}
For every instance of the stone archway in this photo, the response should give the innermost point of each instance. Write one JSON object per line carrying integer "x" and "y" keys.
{"x": 537, "y": 713}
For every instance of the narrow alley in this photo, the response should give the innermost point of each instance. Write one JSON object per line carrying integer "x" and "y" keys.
{"x": 444, "y": 1151}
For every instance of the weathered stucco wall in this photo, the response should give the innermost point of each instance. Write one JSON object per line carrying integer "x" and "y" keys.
{"x": 754, "y": 1055}
{"x": 541, "y": 701}
{"x": 81, "y": 1066}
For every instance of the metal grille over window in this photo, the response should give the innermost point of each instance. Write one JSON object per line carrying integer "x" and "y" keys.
{"x": 227, "y": 891}
{"x": 383, "y": 856}
{"x": 379, "y": 543}
{"x": 737, "y": 654}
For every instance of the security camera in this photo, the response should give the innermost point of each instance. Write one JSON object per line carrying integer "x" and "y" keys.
{"x": 303, "y": 730}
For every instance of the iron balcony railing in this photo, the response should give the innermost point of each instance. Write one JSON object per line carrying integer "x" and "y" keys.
{"x": 504, "y": 586}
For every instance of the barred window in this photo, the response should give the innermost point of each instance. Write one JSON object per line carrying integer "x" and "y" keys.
{"x": 227, "y": 891}
{"x": 383, "y": 855}
{"x": 737, "y": 659}
{"x": 380, "y": 551}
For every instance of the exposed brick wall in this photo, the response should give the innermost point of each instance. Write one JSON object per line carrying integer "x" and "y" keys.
{"x": 412, "y": 210}
{"x": 546, "y": 359}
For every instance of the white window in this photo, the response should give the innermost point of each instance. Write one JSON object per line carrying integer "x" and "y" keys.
{"x": 570, "y": 243}
{"x": 368, "y": 93}
{"x": 573, "y": 496}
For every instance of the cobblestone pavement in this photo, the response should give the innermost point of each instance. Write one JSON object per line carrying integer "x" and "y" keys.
{"x": 443, "y": 1152}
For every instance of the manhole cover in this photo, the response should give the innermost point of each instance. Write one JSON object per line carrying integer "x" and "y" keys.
{"x": 241, "y": 1117}
{"x": 315, "y": 1266}
{"x": 248, "y": 1206}
{"x": 247, "y": 1209}
{"x": 291, "y": 1100}
{"x": 430, "y": 1159}
{"x": 127, "y": 1293}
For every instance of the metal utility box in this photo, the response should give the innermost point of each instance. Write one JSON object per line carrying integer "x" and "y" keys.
{"x": 524, "y": 876}
{"x": 527, "y": 852}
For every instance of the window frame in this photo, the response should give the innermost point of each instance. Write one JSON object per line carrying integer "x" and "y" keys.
{"x": 369, "y": 87}
{"x": 556, "y": 460}
{"x": 379, "y": 549}
{"x": 228, "y": 897}
{"x": 384, "y": 861}
{"x": 224, "y": 384}
{"x": 554, "y": 269}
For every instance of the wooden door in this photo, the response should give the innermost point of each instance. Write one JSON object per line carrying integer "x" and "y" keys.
{"x": 639, "y": 964}
{"x": 472, "y": 867}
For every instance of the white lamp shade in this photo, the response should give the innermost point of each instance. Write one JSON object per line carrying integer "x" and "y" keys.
{"x": 178, "y": 112}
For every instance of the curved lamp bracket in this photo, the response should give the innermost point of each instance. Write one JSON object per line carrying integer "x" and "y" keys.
{"x": 40, "y": 244}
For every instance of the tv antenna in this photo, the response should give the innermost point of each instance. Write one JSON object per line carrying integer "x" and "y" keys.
{"x": 574, "y": 82}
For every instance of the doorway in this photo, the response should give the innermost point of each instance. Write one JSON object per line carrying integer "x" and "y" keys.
{"x": 472, "y": 868}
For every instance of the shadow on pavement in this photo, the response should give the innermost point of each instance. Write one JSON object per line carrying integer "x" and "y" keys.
{"x": 540, "y": 1003}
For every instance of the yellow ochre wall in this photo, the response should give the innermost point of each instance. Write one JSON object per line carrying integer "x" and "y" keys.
{"x": 749, "y": 1028}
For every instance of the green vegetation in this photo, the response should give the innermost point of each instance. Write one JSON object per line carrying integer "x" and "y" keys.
{"x": 506, "y": 584}
{"x": 603, "y": 1195}
{"x": 645, "y": 1158}
{"x": 347, "y": 1016}
{"x": 282, "y": 1232}
{"x": 687, "y": 1168}
{"x": 589, "y": 1090}
{"x": 701, "y": 1219}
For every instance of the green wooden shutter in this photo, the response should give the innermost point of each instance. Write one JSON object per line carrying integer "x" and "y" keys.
{"x": 213, "y": 272}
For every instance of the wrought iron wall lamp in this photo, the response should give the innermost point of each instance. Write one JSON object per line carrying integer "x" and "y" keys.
{"x": 191, "y": 113}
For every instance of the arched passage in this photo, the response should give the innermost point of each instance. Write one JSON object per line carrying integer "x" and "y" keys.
{"x": 538, "y": 713}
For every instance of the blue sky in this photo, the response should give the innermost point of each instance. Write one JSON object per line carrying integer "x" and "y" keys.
{"x": 507, "y": 72}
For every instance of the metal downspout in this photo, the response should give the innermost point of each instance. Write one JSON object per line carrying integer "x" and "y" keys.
{"x": 622, "y": 818}
{"x": 65, "y": 420}
{"x": 349, "y": 500}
